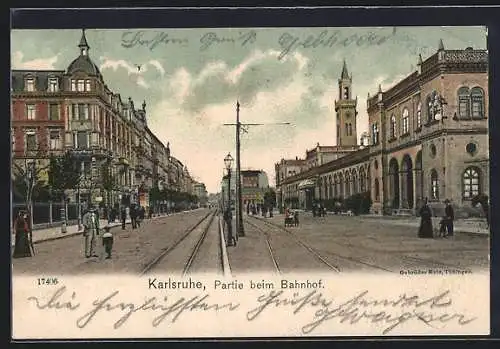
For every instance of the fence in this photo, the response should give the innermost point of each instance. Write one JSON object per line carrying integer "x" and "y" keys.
{"x": 47, "y": 214}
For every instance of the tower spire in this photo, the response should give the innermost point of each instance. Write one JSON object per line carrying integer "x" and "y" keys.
{"x": 345, "y": 73}
{"x": 83, "y": 45}
{"x": 441, "y": 45}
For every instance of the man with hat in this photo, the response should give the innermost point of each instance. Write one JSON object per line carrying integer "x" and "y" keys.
{"x": 91, "y": 231}
{"x": 449, "y": 217}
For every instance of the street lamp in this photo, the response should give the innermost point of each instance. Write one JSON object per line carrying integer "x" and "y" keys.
{"x": 228, "y": 162}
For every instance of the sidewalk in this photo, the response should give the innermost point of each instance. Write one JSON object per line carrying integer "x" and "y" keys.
{"x": 473, "y": 226}
{"x": 464, "y": 226}
{"x": 54, "y": 233}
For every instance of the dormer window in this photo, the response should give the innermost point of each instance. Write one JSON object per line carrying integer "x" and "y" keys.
{"x": 30, "y": 84}
{"x": 81, "y": 85}
{"x": 87, "y": 86}
{"x": 53, "y": 85}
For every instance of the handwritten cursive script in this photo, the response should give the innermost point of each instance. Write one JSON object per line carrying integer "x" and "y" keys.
{"x": 390, "y": 312}
{"x": 327, "y": 39}
{"x": 242, "y": 39}
{"x": 434, "y": 311}
{"x": 150, "y": 39}
{"x": 163, "y": 306}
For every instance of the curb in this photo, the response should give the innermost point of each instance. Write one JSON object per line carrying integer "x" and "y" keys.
{"x": 68, "y": 235}
{"x": 226, "y": 268}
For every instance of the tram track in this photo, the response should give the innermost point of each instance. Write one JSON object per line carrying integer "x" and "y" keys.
{"x": 297, "y": 240}
{"x": 269, "y": 246}
{"x": 333, "y": 254}
{"x": 169, "y": 249}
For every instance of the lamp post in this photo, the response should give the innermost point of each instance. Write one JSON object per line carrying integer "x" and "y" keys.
{"x": 438, "y": 107}
{"x": 31, "y": 182}
{"x": 228, "y": 162}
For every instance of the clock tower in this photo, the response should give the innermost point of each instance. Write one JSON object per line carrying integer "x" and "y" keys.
{"x": 345, "y": 109}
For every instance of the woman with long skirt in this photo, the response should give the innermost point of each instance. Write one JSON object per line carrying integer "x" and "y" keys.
{"x": 22, "y": 246}
{"x": 425, "y": 230}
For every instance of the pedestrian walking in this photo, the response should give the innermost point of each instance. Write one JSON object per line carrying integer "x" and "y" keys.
{"x": 133, "y": 216}
{"x": 449, "y": 218}
{"x": 425, "y": 230}
{"x": 22, "y": 239}
{"x": 123, "y": 217}
{"x": 228, "y": 218}
{"x": 107, "y": 241}
{"x": 90, "y": 232}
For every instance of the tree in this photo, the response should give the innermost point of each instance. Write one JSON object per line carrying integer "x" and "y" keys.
{"x": 30, "y": 175}
{"x": 107, "y": 179}
{"x": 64, "y": 174}
{"x": 270, "y": 198}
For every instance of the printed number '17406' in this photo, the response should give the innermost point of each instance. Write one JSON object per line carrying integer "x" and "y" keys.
{"x": 47, "y": 281}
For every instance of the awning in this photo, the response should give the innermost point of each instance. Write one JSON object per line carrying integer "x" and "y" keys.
{"x": 308, "y": 183}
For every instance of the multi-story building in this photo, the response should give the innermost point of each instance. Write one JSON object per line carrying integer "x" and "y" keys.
{"x": 73, "y": 110}
{"x": 201, "y": 193}
{"x": 254, "y": 184}
{"x": 428, "y": 139}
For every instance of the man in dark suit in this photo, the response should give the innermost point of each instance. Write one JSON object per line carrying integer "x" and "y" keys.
{"x": 450, "y": 217}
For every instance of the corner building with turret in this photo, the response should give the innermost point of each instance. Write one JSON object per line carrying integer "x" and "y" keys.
{"x": 428, "y": 138}
{"x": 73, "y": 110}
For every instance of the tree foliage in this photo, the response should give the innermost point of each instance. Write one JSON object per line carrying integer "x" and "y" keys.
{"x": 64, "y": 172}
{"x": 107, "y": 179}
{"x": 270, "y": 198}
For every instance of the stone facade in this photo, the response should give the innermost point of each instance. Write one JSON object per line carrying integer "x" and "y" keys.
{"x": 74, "y": 110}
{"x": 428, "y": 139}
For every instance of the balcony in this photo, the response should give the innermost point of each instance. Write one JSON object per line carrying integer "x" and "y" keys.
{"x": 81, "y": 125}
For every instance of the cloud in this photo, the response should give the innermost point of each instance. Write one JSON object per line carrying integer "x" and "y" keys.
{"x": 217, "y": 82}
{"x": 136, "y": 72}
{"x": 141, "y": 82}
{"x": 35, "y": 64}
{"x": 195, "y": 105}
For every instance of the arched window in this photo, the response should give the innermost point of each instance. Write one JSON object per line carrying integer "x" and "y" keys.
{"x": 335, "y": 186}
{"x": 463, "y": 103}
{"x": 430, "y": 110}
{"x": 347, "y": 183}
{"x": 405, "y": 121}
{"x": 419, "y": 116}
{"x": 477, "y": 97}
{"x": 377, "y": 190}
{"x": 393, "y": 127}
{"x": 355, "y": 182}
{"x": 362, "y": 181}
{"x": 434, "y": 185}
{"x": 375, "y": 134}
{"x": 347, "y": 129}
{"x": 471, "y": 182}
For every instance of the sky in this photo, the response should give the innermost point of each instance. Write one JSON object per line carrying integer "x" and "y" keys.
{"x": 191, "y": 79}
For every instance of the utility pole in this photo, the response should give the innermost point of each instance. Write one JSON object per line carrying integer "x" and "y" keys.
{"x": 239, "y": 213}
{"x": 240, "y": 231}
